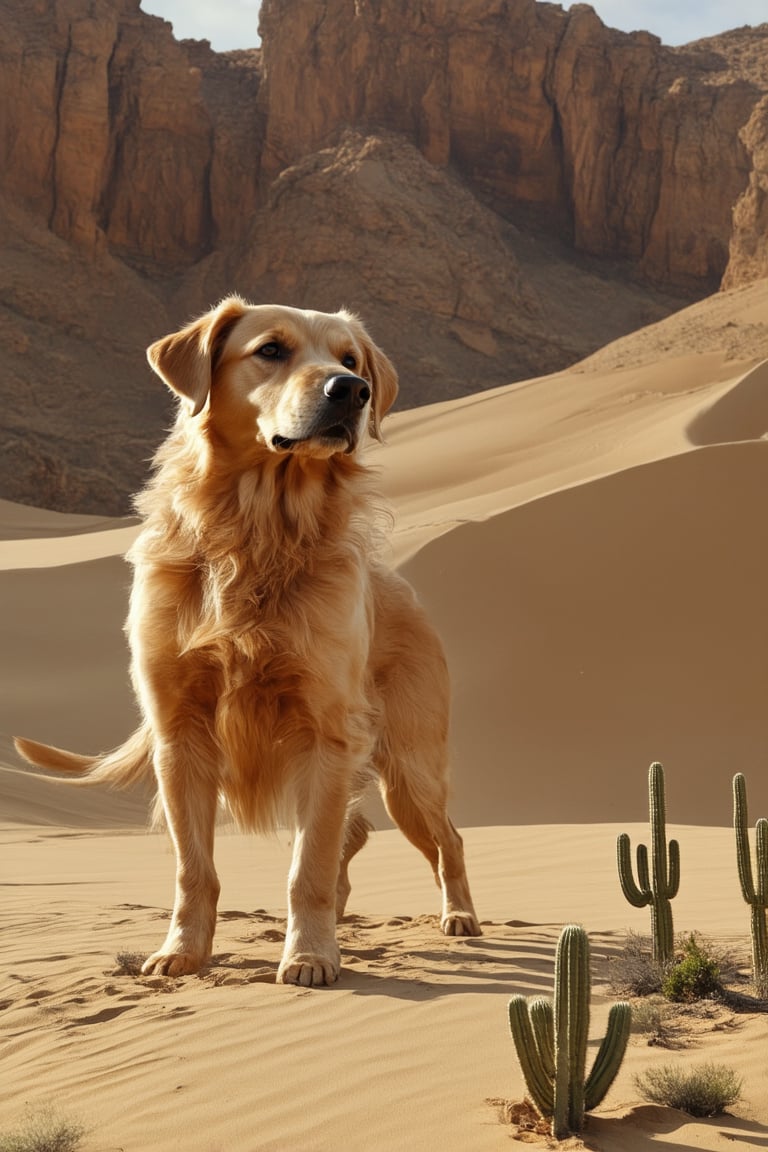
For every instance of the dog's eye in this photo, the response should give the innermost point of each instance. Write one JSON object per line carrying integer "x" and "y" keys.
{"x": 349, "y": 361}
{"x": 271, "y": 350}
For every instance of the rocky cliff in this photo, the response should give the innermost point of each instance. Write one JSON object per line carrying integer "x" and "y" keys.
{"x": 626, "y": 147}
{"x": 499, "y": 187}
{"x": 749, "y": 237}
{"x": 113, "y": 133}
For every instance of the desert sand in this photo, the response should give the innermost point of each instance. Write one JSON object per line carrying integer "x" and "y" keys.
{"x": 593, "y": 548}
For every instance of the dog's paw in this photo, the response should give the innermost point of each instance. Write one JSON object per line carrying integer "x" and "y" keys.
{"x": 460, "y": 924}
{"x": 308, "y": 970}
{"x": 172, "y": 964}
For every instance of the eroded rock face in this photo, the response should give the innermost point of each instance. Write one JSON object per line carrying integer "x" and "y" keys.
{"x": 645, "y": 129}
{"x": 467, "y": 83}
{"x": 114, "y": 133}
{"x": 628, "y": 148}
{"x": 749, "y": 240}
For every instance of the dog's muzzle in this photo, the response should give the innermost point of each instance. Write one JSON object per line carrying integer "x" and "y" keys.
{"x": 338, "y": 417}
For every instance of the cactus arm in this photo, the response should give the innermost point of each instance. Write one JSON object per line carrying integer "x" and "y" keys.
{"x": 740, "y": 822}
{"x": 761, "y": 850}
{"x": 637, "y": 894}
{"x": 609, "y": 1055}
{"x": 643, "y": 879}
{"x": 539, "y": 1084}
{"x": 542, "y": 1021}
{"x": 673, "y": 880}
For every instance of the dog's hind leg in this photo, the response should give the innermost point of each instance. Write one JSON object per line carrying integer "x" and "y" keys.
{"x": 411, "y": 755}
{"x": 356, "y": 831}
{"x": 424, "y": 821}
{"x": 189, "y": 792}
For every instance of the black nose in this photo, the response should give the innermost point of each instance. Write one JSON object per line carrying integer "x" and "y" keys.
{"x": 349, "y": 390}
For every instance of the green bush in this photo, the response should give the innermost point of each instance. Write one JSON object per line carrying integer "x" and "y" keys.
{"x": 704, "y": 1091}
{"x": 695, "y": 976}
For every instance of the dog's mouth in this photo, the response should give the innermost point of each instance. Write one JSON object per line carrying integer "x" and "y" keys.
{"x": 337, "y": 436}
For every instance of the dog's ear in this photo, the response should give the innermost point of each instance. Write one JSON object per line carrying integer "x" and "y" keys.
{"x": 380, "y": 370}
{"x": 186, "y": 360}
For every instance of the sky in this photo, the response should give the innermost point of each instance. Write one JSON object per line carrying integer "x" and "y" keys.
{"x": 234, "y": 23}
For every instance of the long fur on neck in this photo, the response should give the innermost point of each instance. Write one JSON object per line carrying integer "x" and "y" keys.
{"x": 247, "y": 532}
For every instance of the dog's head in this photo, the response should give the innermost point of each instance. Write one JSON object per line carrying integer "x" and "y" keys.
{"x": 282, "y": 379}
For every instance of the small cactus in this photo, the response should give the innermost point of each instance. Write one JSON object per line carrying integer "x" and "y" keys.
{"x": 666, "y": 872}
{"x": 754, "y": 892}
{"x": 551, "y": 1041}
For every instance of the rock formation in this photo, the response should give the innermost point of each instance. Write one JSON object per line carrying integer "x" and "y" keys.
{"x": 498, "y": 186}
{"x": 749, "y": 237}
{"x": 112, "y": 132}
{"x": 629, "y": 148}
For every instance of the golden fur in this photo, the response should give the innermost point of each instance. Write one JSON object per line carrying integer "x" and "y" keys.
{"x": 275, "y": 662}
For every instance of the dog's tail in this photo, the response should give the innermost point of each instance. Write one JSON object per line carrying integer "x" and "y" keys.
{"x": 126, "y": 765}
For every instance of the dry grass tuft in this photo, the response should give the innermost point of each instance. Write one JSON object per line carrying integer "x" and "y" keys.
{"x": 704, "y": 1091}
{"x": 633, "y": 972}
{"x": 129, "y": 963}
{"x": 654, "y": 1018}
{"x": 43, "y": 1130}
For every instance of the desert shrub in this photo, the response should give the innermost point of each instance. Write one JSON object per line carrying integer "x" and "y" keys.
{"x": 695, "y": 976}
{"x": 704, "y": 1091}
{"x": 634, "y": 971}
{"x": 43, "y": 1130}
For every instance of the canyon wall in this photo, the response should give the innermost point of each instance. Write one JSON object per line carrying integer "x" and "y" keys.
{"x": 498, "y": 186}
{"x": 111, "y": 131}
{"x": 628, "y": 148}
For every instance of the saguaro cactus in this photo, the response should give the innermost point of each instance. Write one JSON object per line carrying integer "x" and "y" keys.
{"x": 666, "y": 871}
{"x": 754, "y": 891}
{"x": 551, "y": 1042}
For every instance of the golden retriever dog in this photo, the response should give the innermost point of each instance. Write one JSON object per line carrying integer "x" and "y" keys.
{"x": 277, "y": 664}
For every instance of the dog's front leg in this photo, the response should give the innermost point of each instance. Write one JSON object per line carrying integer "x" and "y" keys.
{"x": 311, "y": 955}
{"x": 189, "y": 796}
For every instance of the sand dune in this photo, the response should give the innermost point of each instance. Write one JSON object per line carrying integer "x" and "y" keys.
{"x": 624, "y": 623}
{"x": 39, "y": 538}
{"x": 403, "y": 1053}
{"x": 23, "y": 522}
{"x": 593, "y": 548}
